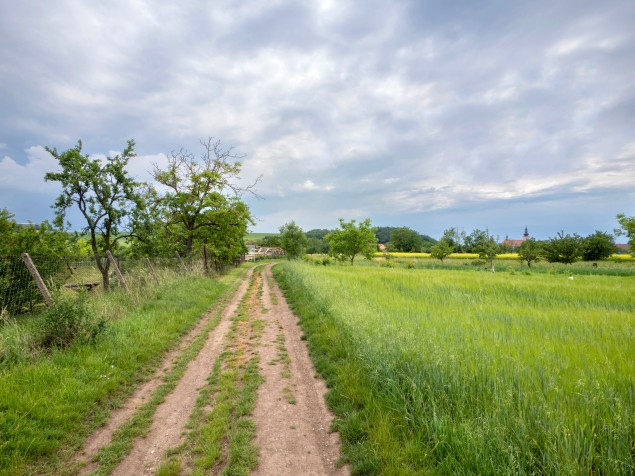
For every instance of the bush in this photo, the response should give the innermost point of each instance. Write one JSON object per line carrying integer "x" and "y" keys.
{"x": 69, "y": 320}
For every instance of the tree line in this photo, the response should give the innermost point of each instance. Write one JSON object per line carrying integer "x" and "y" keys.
{"x": 352, "y": 238}
{"x": 195, "y": 204}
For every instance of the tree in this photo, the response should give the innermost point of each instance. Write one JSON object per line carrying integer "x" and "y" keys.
{"x": 293, "y": 240}
{"x": 486, "y": 246}
{"x": 627, "y": 228}
{"x": 203, "y": 199}
{"x": 103, "y": 192}
{"x": 317, "y": 243}
{"x": 454, "y": 238}
{"x": 405, "y": 240}
{"x": 598, "y": 246}
{"x": 350, "y": 239}
{"x": 529, "y": 251}
{"x": 474, "y": 240}
{"x": 563, "y": 248}
{"x": 441, "y": 250}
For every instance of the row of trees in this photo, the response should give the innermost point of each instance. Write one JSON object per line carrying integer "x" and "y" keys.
{"x": 351, "y": 239}
{"x": 195, "y": 204}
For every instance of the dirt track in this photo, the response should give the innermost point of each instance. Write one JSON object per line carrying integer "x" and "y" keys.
{"x": 290, "y": 415}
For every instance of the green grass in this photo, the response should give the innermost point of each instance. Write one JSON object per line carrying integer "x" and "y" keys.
{"x": 50, "y": 402}
{"x": 445, "y": 371}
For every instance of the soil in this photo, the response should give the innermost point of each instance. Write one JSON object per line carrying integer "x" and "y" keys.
{"x": 291, "y": 416}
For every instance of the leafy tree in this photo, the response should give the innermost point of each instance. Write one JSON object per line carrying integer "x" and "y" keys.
{"x": 293, "y": 240}
{"x": 350, "y": 239}
{"x": 103, "y": 192}
{"x": 427, "y": 242}
{"x": 474, "y": 241}
{"x": 529, "y": 251}
{"x": 486, "y": 246}
{"x": 563, "y": 248}
{"x": 383, "y": 234}
{"x": 272, "y": 241}
{"x": 598, "y": 246}
{"x": 627, "y": 225}
{"x": 454, "y": 238}
{"x": 441, "y": 250}
{"x": 203, "y": 201}
{"x": 316, "y": 241}
{"x": 405, "y": 240}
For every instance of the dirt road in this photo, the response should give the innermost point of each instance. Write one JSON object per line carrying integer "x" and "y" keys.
{"x": 286, "y": 412}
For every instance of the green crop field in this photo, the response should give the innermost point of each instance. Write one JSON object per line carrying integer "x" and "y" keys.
{"x": 448, "y": 371}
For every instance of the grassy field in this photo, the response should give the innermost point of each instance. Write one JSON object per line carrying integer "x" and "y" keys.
{"x": 448, "y": 371}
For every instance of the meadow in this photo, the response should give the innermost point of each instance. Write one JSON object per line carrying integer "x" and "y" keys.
{"x": 437, "y": 371}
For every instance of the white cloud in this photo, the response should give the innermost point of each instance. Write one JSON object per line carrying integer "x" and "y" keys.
{"x": 28, "y": 177}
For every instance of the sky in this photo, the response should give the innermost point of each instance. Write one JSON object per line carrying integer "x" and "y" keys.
{"x": 494, "y": 115}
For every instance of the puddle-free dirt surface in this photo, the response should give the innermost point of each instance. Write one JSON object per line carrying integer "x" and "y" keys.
{"x": 291, "y": 417}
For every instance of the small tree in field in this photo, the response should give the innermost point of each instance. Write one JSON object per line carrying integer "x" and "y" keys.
{"x": 598, "y": 246}
{"x": 628, "y": 229}
{"x": 293, "y": 240}
{"x": 441, "y": 250}
{"x": 102, "y": 191}
{"x": 529, "y": 251}
{"x": 565, "y": 249}
{"x": 350, "y": 240}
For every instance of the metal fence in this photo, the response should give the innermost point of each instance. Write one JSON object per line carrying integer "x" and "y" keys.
{"x": 19, "y": 292}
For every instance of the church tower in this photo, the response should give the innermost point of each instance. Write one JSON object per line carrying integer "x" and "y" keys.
{"x": 525, "y": 235}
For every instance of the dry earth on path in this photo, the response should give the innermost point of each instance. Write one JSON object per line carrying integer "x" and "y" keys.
{"x": 291, "y": 416}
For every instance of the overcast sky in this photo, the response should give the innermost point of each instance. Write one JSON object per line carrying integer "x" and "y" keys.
{"x": 426, "y": 114}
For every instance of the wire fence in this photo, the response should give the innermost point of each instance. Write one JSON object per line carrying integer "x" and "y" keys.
{"x": 20, "y": 294}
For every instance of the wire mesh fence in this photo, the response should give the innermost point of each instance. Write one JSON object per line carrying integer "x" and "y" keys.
{"x": 19, "y": 292}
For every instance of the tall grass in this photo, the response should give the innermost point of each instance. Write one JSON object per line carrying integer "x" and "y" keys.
{"x": 50, "y": 401}
{"x": 447, "y": 371}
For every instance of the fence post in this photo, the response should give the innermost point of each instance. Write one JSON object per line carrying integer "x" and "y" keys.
{"x": 181, "y": 261}
{"x": 114, "y": 264}
{"x": 149, "y": 263}
{"x": 38, "y": 279}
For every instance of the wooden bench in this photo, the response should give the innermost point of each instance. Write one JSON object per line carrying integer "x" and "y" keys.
{"x": 89, "y": 286}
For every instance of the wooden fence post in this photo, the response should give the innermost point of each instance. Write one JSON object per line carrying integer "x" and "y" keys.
{"x": 114, "y": 264}
{"x": 149, "y": 263}
{"x": 181, "y": 261}
{"x": 38, "y": 279}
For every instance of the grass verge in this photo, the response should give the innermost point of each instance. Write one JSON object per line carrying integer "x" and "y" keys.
{"x": 49, "y": 403}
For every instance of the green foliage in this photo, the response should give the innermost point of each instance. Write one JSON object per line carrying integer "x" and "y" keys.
{"x": 627, "y": 225}
{"x": 316, "y": 242}
{"x": 103, "y": 192}
{"x": 70, "y": 320}
{"x": 270, "y": 241}
{"x": 350, "y": 240}
{"x": 18, "y": 292}
{"x": 292, "y": 240}
{"x": 529, "y": 251}
{"x": 482, "y": 243}
{"x": 563, "y": 248}
{"x": 598, "y": 246}
{"x": 405, "y": 240}
{"x": 454, "y": 238}
{"x": 441, "y": 250}
{"x": 203, "y": 203}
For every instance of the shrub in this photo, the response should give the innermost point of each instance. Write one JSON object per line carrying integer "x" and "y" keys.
{"x": 69, "y": 320}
